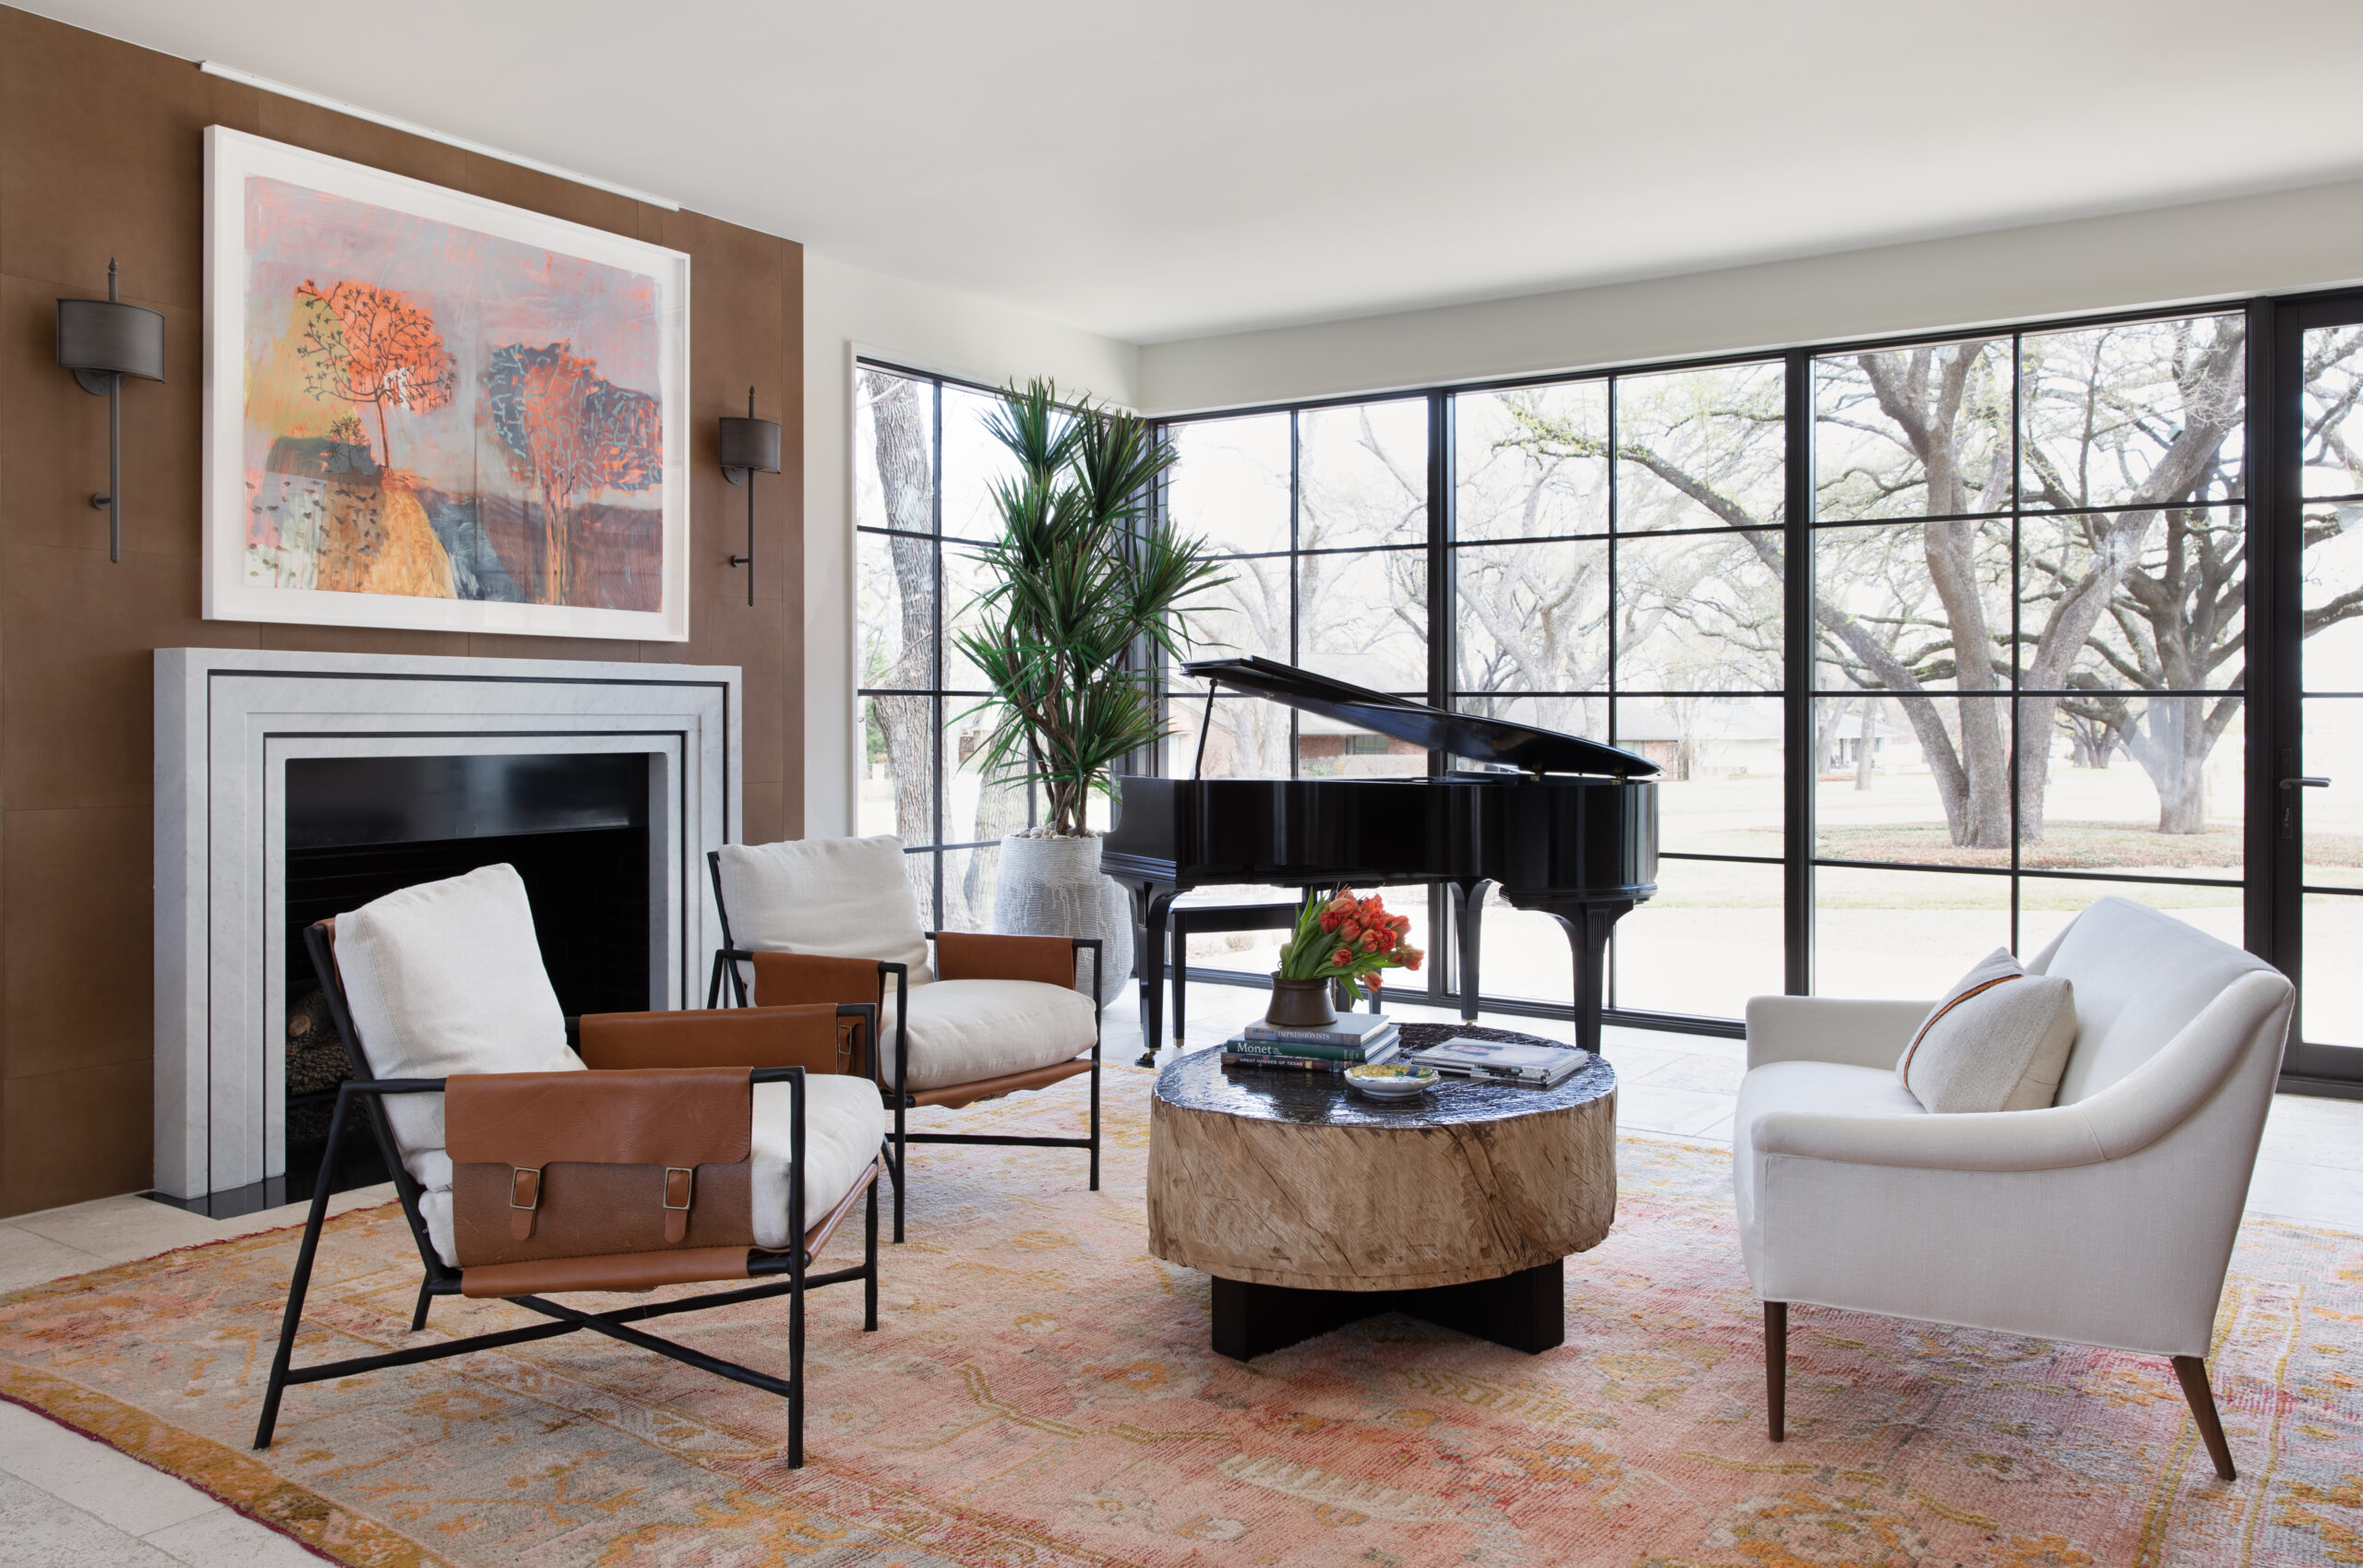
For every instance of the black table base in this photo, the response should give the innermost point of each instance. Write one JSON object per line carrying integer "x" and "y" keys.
{"x": 1526, "y": 1311}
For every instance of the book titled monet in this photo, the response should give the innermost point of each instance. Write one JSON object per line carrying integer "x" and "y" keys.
{"x": 1243, "y": 1053}
{"x": 1370, "y": 1050}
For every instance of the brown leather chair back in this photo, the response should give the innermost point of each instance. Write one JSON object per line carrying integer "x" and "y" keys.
{"x": 980, "y": 955}
{"x": 811, "y": 1036}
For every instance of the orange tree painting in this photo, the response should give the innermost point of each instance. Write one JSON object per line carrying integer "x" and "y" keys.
{"x": 567, "y": 430}
{"x": 368, "y": 346}
{"x": 432, "y": 412}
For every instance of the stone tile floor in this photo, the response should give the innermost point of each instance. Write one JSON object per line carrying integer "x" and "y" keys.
{"x": 69, "y": 1503}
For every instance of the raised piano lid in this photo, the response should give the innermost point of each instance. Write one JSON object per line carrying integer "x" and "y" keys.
{"x": 1462, "y": 735}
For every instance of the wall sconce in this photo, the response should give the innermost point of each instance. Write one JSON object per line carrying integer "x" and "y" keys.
{"x": 749, "y": 447}
{"x": 103, "y": 341}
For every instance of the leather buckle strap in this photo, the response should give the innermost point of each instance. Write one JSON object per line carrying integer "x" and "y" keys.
{"x": 680, "y": 1183}
{"x": 525, "y": 1197}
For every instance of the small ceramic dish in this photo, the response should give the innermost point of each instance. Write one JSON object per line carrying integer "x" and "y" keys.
{"x": 1391, "y": 1081}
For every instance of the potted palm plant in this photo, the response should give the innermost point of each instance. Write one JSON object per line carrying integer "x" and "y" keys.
{"x": 1083, "y": 589}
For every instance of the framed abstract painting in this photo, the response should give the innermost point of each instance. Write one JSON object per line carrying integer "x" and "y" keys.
{"x": 424, "y": 409}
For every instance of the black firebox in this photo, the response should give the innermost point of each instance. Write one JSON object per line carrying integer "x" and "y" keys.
{"x": 575, "y": 826}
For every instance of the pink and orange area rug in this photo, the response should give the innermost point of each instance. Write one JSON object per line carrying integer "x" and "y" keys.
{"x": 1040, "y": 1395}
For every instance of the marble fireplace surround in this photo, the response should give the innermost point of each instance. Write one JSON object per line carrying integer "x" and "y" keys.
{"x": 227, "y": 722}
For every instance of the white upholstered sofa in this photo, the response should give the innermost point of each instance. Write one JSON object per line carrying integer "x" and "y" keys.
{"x": 2106, "y": 1218}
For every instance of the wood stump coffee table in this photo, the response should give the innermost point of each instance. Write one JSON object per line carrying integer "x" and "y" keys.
{"x": 1313, "y": 1206}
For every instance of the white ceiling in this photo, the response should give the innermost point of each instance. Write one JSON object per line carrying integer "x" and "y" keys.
{"x": 1159, "y": 172}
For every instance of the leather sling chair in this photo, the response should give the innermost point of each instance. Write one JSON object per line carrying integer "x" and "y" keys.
{"x": 967, "y": 1016}
{"x": 666, "y": 1162}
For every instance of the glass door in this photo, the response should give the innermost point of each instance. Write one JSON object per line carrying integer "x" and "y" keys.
{"x": 2317, "y": 786}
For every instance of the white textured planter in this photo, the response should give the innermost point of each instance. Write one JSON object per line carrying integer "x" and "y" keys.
{"x": 1051, "y": 887}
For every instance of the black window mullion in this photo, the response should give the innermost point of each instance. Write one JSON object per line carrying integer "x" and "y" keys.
{"x": 1615, "y": 548}
{"x": 2274, "y": 452}
{"x": 935, "y": 750}
{"x": 1443, "y": 630}
{"x": 1443, "y": 655}
{"x": 1797, "y": 674}
{"x": 1296, "y": 566}
{"x": 1161, "y": 516}
{"x": 2018, "y": 650}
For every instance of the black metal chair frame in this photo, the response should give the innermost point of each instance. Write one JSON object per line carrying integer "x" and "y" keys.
{"x": 727, "y": 958}
{"x": 793, "y": 1262}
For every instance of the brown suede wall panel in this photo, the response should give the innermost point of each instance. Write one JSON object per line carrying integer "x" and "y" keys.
{"x": 101, "y": 154}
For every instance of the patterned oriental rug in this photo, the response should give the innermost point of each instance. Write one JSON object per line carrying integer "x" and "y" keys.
{"x": 1040, "y": 1394}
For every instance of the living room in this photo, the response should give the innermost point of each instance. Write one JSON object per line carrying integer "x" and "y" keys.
{"x": 1560, "y": 784}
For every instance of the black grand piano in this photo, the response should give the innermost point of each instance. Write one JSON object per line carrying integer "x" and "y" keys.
{"x": 1572, "y": 834}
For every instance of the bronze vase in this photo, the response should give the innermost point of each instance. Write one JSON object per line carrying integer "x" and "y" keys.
{"x": 1300, "y": 1004}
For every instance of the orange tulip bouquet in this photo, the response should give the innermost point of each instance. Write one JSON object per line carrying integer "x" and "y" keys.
{"x": 1347, "y": 940}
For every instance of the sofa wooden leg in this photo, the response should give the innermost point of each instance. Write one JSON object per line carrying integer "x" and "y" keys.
{"x": 1776, "y": 1368}
{"x": 2193, "y": 1373}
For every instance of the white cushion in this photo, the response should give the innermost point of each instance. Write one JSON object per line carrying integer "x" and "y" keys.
{"x": 435, "y": 1208}
{"x": 446, "y": 977}
{"x": 834, "y": 897}
{"x": 966, "y": 1030}
{"x": 1996, "y": 1041}
{"x": 843, "y": 1122}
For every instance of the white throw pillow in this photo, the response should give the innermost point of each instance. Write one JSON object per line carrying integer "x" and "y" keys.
{"x": 446, "y": 977}
{"x": 1998, "y": 1041}
{"x": 834, "y": 897}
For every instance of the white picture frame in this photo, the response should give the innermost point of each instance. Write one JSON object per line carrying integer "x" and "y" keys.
{"x": 526, "y": 427}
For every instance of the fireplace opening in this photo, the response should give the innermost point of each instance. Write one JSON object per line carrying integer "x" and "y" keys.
{"x": 576, "y": 826}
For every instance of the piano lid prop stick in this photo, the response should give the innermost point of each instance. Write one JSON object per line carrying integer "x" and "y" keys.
{"x": 1198, "y": 768}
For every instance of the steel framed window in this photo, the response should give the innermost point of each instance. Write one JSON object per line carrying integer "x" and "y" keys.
{"x": 913, "y": 433}
{"x": 1803, "y": 536}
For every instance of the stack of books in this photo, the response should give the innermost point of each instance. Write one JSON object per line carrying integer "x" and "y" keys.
{"x": 1355, "y": 1039}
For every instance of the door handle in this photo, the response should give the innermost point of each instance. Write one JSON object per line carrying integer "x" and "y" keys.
{"x": 2305, "y": 783}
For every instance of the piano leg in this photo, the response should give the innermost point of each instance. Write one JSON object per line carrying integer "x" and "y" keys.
{"x": 1587, "y": 928}
{"x": 1467, "y": 913}
{"x": 1154, "y": 902}
{"x": 1180, "y": 992}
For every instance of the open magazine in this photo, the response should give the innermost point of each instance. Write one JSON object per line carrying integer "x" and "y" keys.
{"x": 1537, "y": 1066}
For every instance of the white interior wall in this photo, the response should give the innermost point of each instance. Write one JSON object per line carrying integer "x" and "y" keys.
{"x": 849, "y": 311}
{"x": 2288, "y": 240}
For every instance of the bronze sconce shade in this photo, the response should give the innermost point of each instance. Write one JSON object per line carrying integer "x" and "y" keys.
{"x": 103, "y": 341}
{"x": 749, "y": 447}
